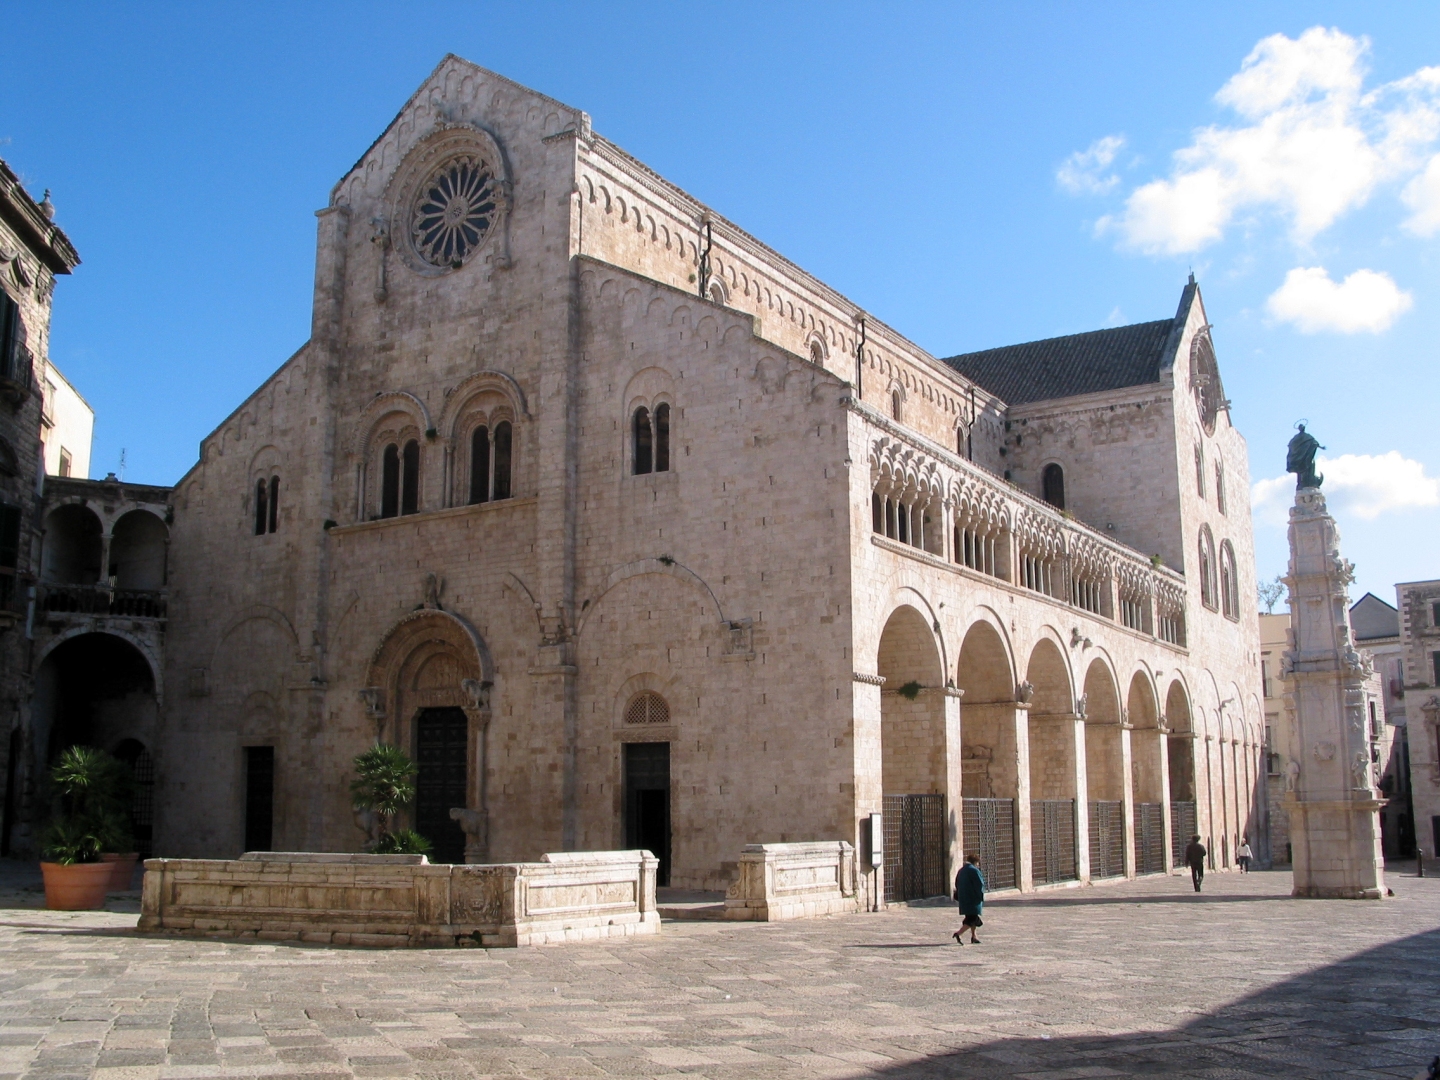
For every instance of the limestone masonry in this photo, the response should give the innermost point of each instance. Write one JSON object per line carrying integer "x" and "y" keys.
{"x": 636, "y": 535}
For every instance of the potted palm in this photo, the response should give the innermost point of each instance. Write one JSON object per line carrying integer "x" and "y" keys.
{"x": 75, "y": 878}
{"x": 383, "y": 787}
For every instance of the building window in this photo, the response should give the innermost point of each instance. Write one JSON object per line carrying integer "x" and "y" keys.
{"x": 662, "y": 437}
{"x": 274, "y": 518}
{"x": 10, "y": 336}
{"x": 1200, "y": 470}
{"x": 1229, "y": 582}
{"x": 895, "y": 405}
{"x": 1208, "y": 584}
{"x": 1435, "y": 669}
{"x": 9, "y": 555}
{"x": 480, "y": 465}
{"x": 261, "y": 498}
{"x": 1435, "y": 614}
{"x": 502, "y": 455}
{"x": 410, "y": 478}
{"x": 65, "y": 462}
{"x": 1220, "y": 487}
{"x": 647, "y": 708}
{"x": 877, "y": 513}
{"x": 390, "y": 481}
{"x": 817, "y": 353}
{"x": 1052, "y": 484}
{"x": 643, "y": 438}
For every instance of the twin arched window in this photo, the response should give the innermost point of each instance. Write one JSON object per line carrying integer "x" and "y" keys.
{"x": 267, "y": 505}
{"x": 1209, "y": 585}
{"x": 650, "y": 440}
{"x": 490, "y": 457}
{"x": 1229, "y": 582}
{"x": 400, "y": 479}
{"x": 1052, "y": 483}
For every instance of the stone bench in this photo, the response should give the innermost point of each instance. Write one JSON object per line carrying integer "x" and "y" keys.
{"x": 793, "y": 881}
{"x": 346, "y": 899}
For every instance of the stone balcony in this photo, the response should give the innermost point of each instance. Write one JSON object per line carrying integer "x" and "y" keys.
{"x": 90, "y": 600}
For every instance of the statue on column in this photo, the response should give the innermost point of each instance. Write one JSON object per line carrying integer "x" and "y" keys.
{"x": 1300, "y": 459}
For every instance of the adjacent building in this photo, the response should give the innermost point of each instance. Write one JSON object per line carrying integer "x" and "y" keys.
{"x": 33, "y": 251}
{"x": 1419, "y": 604}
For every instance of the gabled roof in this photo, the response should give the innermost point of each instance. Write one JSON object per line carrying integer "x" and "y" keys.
{"x": 1089, "y": 363}
{"x": 1371, "y": 618}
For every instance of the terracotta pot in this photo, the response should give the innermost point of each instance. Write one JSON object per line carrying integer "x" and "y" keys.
{"x": 122, "y": 867}
{"x": 78, "y": 887}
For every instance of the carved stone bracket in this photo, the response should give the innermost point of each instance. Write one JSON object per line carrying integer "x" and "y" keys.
{"x": 475, "y": 824}
{"x": 869, "y": 680}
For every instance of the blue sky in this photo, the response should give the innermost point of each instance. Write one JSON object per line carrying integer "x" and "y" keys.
{"x": 975, "y": 175}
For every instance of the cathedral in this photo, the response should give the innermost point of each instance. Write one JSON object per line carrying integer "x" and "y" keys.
{"x": 634, "y": 534}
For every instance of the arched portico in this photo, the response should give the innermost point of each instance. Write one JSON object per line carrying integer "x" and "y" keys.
{"x": 1057, "y": 766}
{"x": 995, "y": 753}
{"x": 1148, "y": 776}
{"x": 429, "y": 692}
{"x": 1107, "y": 766}
{"x": 920, "y": 759}
{"x": 1180, "y": 743}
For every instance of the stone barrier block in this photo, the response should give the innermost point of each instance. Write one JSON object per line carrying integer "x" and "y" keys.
{"x": 776, "y": 882}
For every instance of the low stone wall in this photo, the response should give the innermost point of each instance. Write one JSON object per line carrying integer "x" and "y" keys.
{"x": 403, "y": 899}
{"x": 793, "y": 881}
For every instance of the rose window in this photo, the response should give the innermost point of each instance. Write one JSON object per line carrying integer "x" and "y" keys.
{"x": 454, "y": 212}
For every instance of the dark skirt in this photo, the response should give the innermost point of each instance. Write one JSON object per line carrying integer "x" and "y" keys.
{"x": 972, "y": 920}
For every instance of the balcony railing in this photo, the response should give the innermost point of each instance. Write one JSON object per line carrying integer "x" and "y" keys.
{"x": 102, "y": 600}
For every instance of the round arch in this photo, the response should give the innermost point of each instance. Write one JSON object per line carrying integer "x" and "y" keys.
{"x": 988, "y": 752}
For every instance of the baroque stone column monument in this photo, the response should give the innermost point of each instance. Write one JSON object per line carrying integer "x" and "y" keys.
{"x": 1331, "y": 798}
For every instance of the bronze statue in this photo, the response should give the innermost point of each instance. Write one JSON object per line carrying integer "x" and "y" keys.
{"x": 1301, "y": 459}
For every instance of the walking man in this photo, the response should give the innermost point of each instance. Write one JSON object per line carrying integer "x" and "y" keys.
{"x": 970, "y": 895}
{"x": 1243, "y": 854}
{"x": 1195, "y": 859}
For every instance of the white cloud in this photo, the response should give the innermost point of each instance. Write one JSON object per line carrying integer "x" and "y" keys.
{"x": 1422, "y": 195}
{"x": 1084, "y": 172}
{"x": 1313, "y": 146}
{"x": 1366, "y": 300}
{"x": 1365, "y": 485}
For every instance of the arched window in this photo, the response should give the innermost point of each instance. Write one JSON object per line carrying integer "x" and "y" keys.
{"x": 895, "y": 405}
{"x": 480, "y": 465}
{"x": 502, "y": 455}
{"x": 274, "y": 502}
{"x": 410, "y": 478}
{"x": 390, "y": 481}
{"x": 261, "y": 515}
{"x": 662, "y": 437}
{"x": 877, "y": 513}
{"x": 1200, "y": 470}
{"x": 647, "y": 708}
{"x": 1208, "y": 583}
{"x": 1220, "y": 486}
{"x": 1229, "y": 581}
{"x": 1052, "y": 482}
{"x": 643, "y": 438}
{"x": 817, "y": 353}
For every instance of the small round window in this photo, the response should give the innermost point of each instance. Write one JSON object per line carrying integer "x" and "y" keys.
{"x": 454, "y": 211}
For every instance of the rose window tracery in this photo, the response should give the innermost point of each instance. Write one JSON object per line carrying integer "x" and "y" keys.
{"x": 454, "y": 211}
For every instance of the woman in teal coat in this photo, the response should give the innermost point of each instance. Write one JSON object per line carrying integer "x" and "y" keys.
{"x": 970, "y": 895}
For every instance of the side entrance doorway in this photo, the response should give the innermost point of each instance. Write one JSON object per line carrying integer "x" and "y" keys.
{"x": 442, "y": 759}
{"x": 915, "y": 847}
{"x": 647, "y": 802}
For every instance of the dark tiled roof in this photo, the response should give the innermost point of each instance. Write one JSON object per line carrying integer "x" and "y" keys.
{"x": 1371, "y": 618}
{"x": 1077, "y": 364}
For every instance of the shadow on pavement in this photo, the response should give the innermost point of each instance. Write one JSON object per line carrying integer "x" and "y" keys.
{"x": 1374, "y": 1014}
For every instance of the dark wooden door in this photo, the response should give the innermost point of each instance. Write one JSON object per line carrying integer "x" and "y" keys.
{"x": 647, "y": 802}
{"x": 442, "y": 758}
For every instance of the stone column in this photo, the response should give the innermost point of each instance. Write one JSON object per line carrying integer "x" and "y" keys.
{"x": 869, "y": 781}
{"x": 1128, "y": 796}
{"x": 1082, "y": 800}
{"x": 1167, "y": 826}
{"x": 1024, "y": 849}
{"x": 953, "y": 782}
{"x": 1334, "y": 812}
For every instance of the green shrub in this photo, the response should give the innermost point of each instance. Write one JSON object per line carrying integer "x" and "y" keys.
{"x": 384, "y": 785}
{"x": 402, "y": 842}
{"x": 94, "y": 792}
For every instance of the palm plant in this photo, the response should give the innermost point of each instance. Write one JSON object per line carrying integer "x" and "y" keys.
{"x": 95, "y": 791}
{"x": 384, "y": 785}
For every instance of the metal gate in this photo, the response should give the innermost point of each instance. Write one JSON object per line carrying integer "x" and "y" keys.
{"x": 1052, "y": 840}
{"x": 1107, "y": 839}
{"x": 1182, "y": 828}
{"x": 914, "y": 847}
{"x": 988, "y": 828}
{"x": 1149, "y": 838}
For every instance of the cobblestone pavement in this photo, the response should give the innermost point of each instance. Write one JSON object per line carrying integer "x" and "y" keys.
{"x": 1129, "y": 979}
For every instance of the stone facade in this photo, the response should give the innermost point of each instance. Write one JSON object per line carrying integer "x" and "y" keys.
{"x": 33, "y": 251}
{"x": 666, "y": 544}
{"x": 1419, "y": 603}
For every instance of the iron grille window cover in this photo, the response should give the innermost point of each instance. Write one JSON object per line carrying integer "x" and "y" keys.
{"x": 1182, "y": 828}
{"x": 1052, "y": 840}
{"x": 647, "y": 708}
{"x": 915, "y": 847}
{"x": 1149, "y": 838}
{"x": 1107, "y": 839}
{"x": 989, "y": 831}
